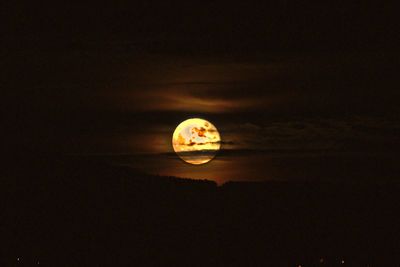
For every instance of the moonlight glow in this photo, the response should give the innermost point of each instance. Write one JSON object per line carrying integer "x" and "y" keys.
{"x": 196, "y": 141}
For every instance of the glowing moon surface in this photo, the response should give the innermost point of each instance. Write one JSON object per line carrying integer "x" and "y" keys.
{"x": 196, "y": 141}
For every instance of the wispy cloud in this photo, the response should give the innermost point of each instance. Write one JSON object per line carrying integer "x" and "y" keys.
{"x": 356, "y": 133}
{"x": 203, "y": 87}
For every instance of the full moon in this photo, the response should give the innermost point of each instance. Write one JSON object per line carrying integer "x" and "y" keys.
{"x": 196, "y": 141}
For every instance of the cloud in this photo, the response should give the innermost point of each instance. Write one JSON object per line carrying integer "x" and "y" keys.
{"x": 356, "y": 133}
{"x": 201, "y": 86}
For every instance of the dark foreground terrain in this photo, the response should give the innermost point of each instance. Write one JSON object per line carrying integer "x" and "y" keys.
{"x": 77, "y": 212}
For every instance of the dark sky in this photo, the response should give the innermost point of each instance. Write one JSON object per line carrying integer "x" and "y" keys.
{"x": 308, "y": 85}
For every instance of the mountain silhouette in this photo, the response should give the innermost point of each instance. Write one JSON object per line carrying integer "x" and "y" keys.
{"x": 64, "y": 211}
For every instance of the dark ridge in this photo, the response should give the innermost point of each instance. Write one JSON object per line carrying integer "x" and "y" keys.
{"x": 66, "y": 211}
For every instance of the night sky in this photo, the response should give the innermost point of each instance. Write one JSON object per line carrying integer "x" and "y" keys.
{"x": 298, "y": 91}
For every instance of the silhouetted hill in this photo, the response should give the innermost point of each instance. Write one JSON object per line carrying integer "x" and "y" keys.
{"x": 79, "y": 212}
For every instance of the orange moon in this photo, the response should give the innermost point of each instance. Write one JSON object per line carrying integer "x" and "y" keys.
{"x": 196, "y": 141}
